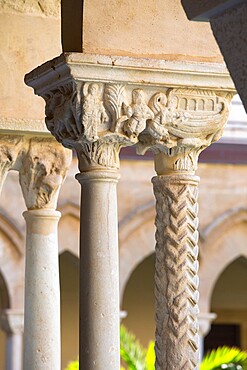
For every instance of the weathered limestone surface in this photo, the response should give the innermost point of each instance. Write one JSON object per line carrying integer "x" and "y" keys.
{"x": 160, "y": 29}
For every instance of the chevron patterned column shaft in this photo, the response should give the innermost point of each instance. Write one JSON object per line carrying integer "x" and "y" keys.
{"x": 176, "y": 280}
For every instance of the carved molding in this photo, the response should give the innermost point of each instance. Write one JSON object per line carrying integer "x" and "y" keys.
{"x": 42, "y": 171}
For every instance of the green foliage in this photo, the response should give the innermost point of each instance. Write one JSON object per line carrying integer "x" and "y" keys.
{"x": 225, "y": 358}
{"x": 73, "y": 365}
{"x": 133, "y": 354}
{"x": 135, "y": 357}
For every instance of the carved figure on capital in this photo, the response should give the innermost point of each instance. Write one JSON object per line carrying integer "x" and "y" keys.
{"x": 137, "y": 113}
{"x": 93, "y": 111}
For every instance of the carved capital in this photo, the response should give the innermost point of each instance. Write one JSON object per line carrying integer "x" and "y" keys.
{"x": 12, "y": 321}
{"x": 10, "y": 147}
{"x": 186, "y": 121}
{"x": 44, "y": 167}
{"x": 97, "y": 120}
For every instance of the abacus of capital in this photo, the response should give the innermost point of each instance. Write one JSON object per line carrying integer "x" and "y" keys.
{"x": 175, "y": 110}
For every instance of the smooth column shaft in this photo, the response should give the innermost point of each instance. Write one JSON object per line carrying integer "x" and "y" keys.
{"x": 99, "y": 276}
{"x": 42, "y": 293}
{"x": 14, "y": 350}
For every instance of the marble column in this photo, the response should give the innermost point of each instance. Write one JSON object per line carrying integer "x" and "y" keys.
{"x": 12, "y": 322}
{"x": 185, "y": 123}
{"x": 42, "y": 172}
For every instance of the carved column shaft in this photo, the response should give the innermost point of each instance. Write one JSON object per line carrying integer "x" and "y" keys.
{"x": 185, "y": 122}
{"x": 176, "y": 280}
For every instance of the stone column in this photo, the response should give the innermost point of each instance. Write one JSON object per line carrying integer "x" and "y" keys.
{"x": 42, "y": 172}
{"x": 185, "y": 123}
{"x": 205, "y": 319}
{"x": 99, "y": 273}
{"x": 12, "y": 322}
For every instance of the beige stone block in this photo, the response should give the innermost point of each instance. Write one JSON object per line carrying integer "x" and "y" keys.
{"x": 25, "y": 42}
{"x": 150, "y": 29}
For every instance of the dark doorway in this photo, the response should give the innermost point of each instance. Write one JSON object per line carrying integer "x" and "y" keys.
{"x": 222, "y": 335}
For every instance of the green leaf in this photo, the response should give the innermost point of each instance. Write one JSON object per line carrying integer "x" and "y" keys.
{"x": 131, "y": 352}
{"x": 150, "y": 357}
{"x": 223, "y": 357}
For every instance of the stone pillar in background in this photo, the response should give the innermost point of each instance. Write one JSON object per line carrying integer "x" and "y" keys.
{"x": 205, "y": 319}
{"x": 12, "y": 323}
{"x": 42, "y": 172}
{"x": 185, "y": 122}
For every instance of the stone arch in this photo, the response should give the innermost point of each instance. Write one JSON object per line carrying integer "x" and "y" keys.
{"x": 12, "y": 246}
{"x": 136, "y": 240}
{"x": 223, "y": 241}
{"x": 69, "y": 228}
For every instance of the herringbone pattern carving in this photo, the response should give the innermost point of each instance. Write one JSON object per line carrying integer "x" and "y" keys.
{"x": 176, "y": 280}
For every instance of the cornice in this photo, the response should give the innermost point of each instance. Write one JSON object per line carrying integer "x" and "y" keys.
{"x": 134, "y": 71}
{"x": 18, "y": 126}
